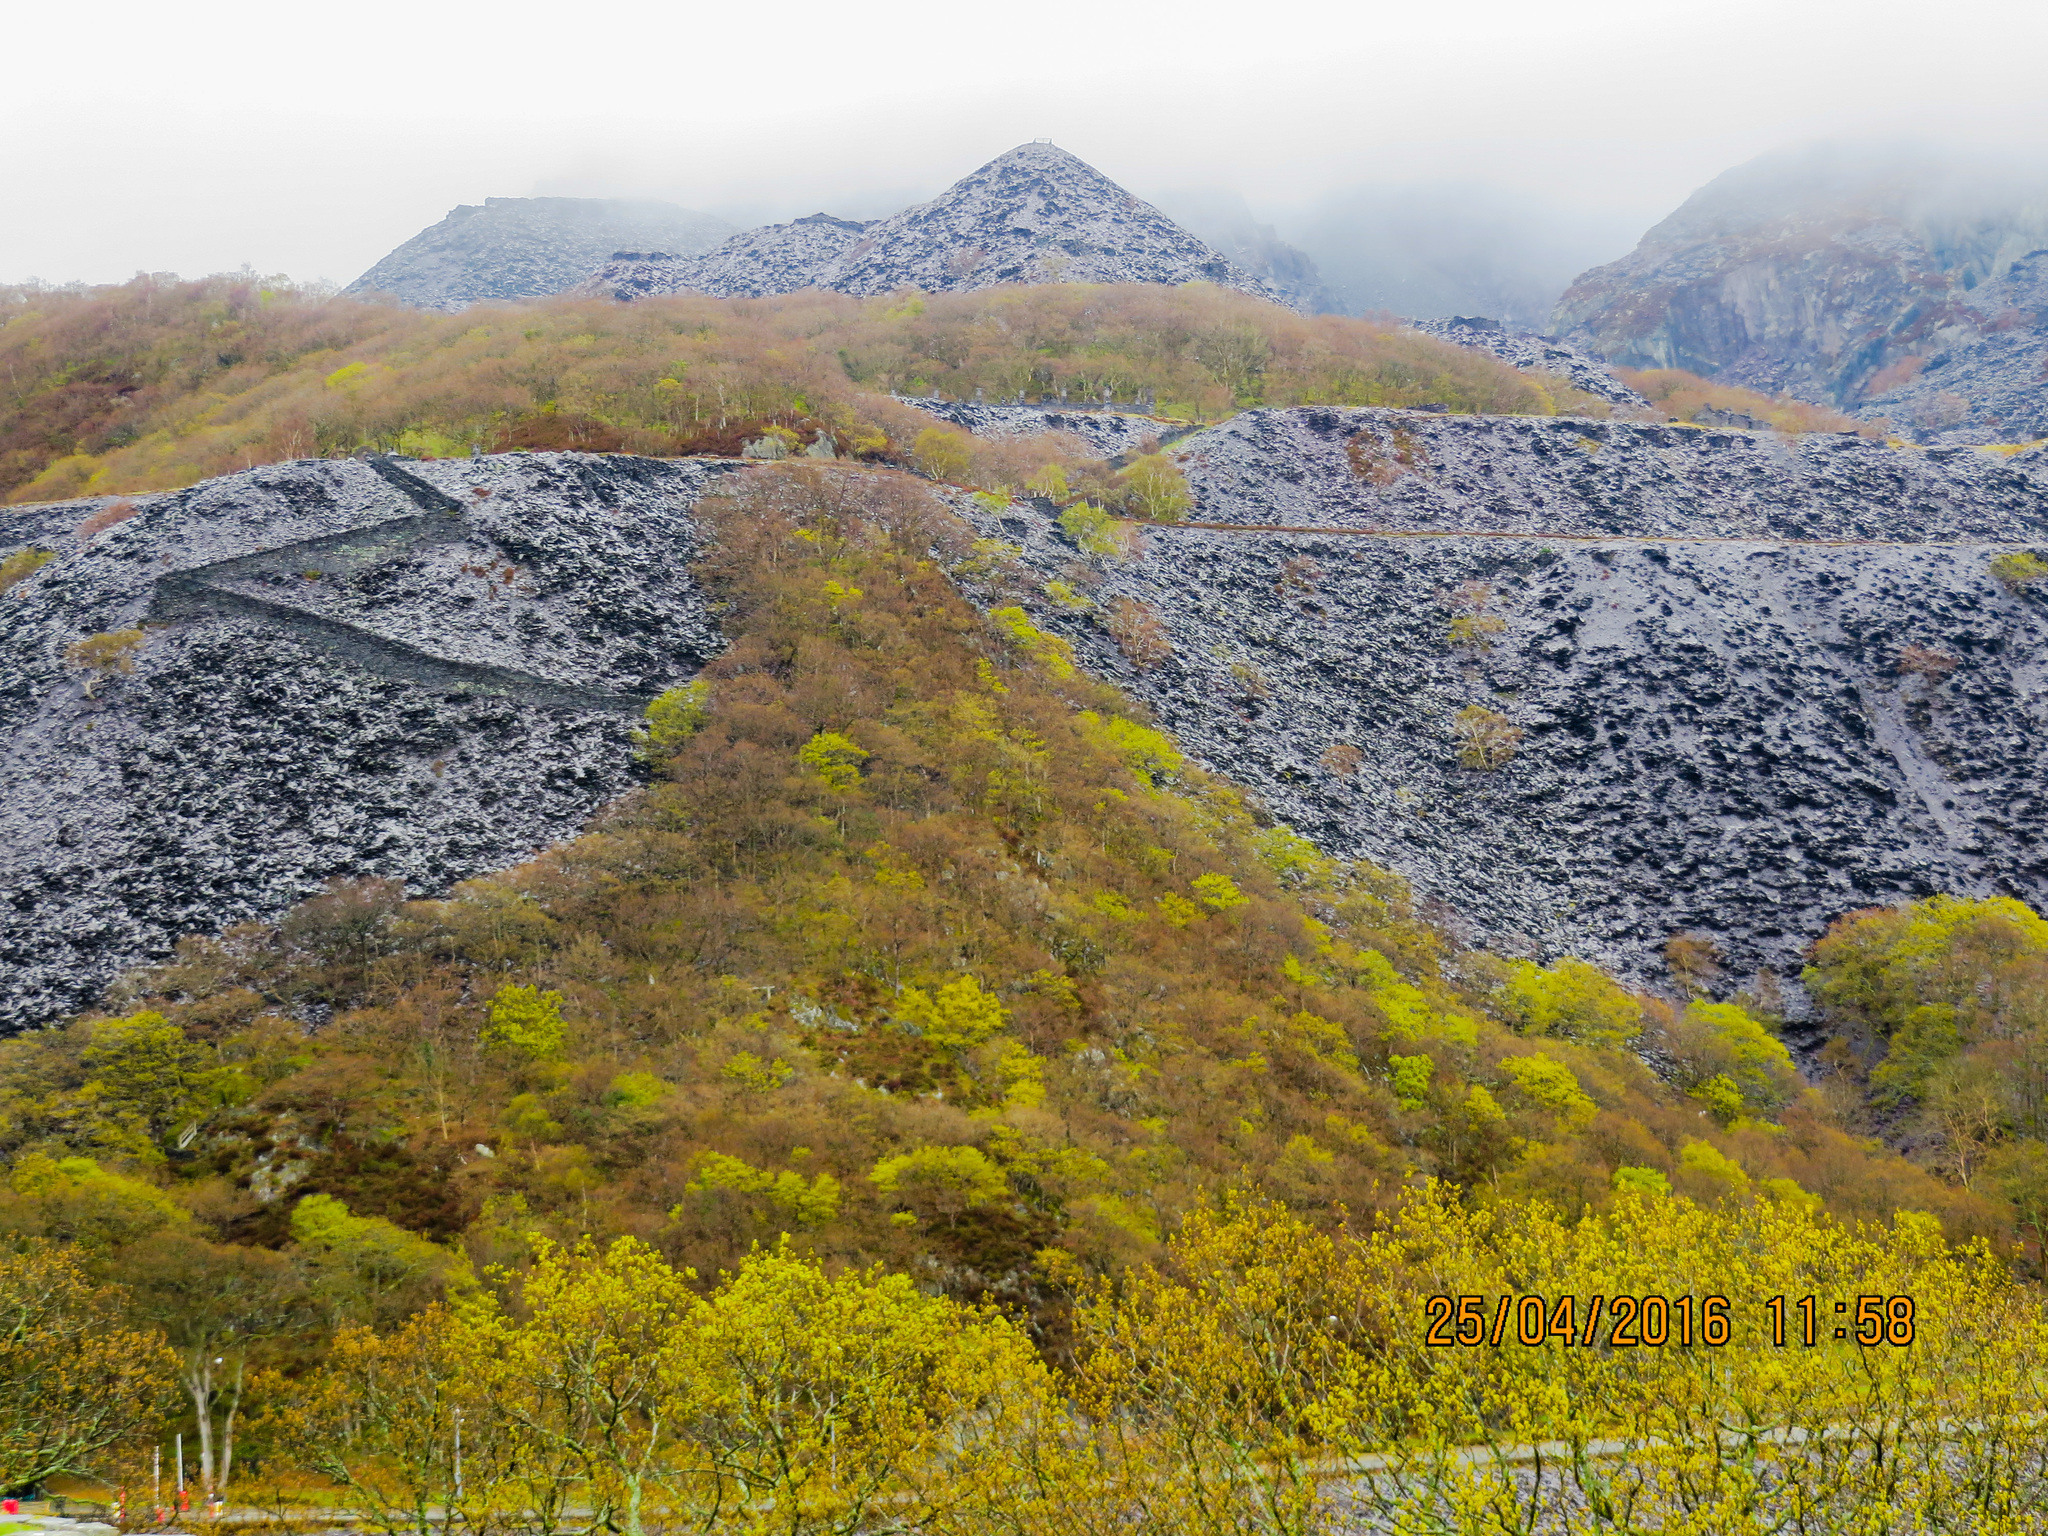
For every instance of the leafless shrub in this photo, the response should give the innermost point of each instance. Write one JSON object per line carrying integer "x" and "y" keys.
{"x": 1139, "y": 634}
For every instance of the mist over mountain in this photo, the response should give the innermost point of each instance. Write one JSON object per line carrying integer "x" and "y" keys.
{"x": 1438, "y": 249}
{"x": 528, "y": 247}
{"x": 1841, "y": 274}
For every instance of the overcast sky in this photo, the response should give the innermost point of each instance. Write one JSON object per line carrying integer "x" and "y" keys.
{"x": 199, "y": 137}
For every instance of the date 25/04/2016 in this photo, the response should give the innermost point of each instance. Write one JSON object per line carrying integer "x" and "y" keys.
{"x": 1653, "y": 1322}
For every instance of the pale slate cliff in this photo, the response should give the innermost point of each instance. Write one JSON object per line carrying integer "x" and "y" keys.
{"x": 1839, "y": 276}
{"x": 419, "y": 671}
{"x": 528, "y": 247}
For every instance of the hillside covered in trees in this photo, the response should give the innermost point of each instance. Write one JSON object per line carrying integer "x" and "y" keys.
{"x": 922, "y": 950}
{"x": 159, "y": 383}
{"x": 932, "y": 1101}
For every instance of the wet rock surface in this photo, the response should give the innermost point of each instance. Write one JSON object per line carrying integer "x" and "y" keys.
{"x": 423, "y": 671}
{"x": 1714, "y": 734}
{"x": 1410, "y": 470}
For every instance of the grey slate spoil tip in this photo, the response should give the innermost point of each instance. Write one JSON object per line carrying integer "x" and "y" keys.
{"x": 417, "y": 671}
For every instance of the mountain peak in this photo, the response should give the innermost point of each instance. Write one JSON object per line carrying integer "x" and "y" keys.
{"x": 1034, "y": 214}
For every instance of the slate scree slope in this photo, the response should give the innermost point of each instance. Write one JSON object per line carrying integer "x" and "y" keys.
{"x": 527, "y": 247}
{"x": 345, "y": 669}
{"x": 1698, "y": 648}
{"x": 358, "y": 669}
{"x": 1034, "y": 215}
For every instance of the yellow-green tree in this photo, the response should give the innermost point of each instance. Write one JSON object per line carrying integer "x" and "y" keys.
{"x": 78, "y": 1379}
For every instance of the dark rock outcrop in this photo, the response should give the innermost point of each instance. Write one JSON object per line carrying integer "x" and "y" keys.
{"x": 1833, "y": 275}
{"x": 1034, "y": 215}
{"x": 528, "y": 247}
{"x": 424, "y": 671}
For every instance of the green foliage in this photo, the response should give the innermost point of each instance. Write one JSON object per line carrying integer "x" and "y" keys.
{"x": 1642, "y": 1181}
{"x": 366, "y": 1267}
{"x": 809, "y": 1203}
{"x": 834, "y": 758}
{"x": 526, "y": 1021}
{"x": 1049, "y": 651}
{"x": 635, "y": 1090}
{"x": 76, "y": 1200}
{"x": 1410, "y": 1077}
{"x": 1149, "y": 754}
{"x": 1219, "y": 893}
{"x": 954, "y": 1017}
{"x": 1155, "y": 489}
{"x": 2019, "y": 570}
{"x": 1093, "y": 531}
{"x": 944, "y": 453}
{"x": 673, "y": 717}
{"x": 1570, "y": 999}
{"x": 945, "y": 1177}
{"x": 1724, "y": 1041}
{"x": 1294, "y": 860}
{"x": 1551, "y": 1085}
{"x": 22, "y": 564}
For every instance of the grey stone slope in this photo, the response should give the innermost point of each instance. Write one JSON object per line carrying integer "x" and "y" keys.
{"x": 1543, "y": 354}
{"x": 757, "y": 263}
{"x": 1990, "y": 385}
{"x": 1717, "y": 738}
{"x": 348, "y": 669}
{"x": 1034, "y": 215}
{"x": 1412, "y": 470}
{"x": 1107, "y": 434}
{"x": 528, "y": 247}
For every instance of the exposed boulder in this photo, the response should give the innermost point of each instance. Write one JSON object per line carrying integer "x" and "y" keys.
{"x": 422, "y": 671}
{"x": 528, "y": 247}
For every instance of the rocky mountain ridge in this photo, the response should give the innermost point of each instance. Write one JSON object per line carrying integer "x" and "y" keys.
{"x": 1840, "y": 276}
{"x": 1034, "y": 215}
{"x": 528, "y": 247}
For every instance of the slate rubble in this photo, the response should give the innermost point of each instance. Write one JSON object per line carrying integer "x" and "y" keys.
{"x": 1543, "y": 354}
{"x": 1717, "y": 738}
{"x": 527, "y": 247}
{"x": 341, "y": 676}
{"x": 1034, "y": 215}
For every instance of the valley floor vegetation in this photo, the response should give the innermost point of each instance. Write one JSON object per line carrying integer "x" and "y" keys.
{"x": 159, "y": 383}
{"x": 934, "y": 1104}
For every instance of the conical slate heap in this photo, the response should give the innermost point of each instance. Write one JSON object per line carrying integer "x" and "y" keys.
{"x": 1034, "y": 215}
